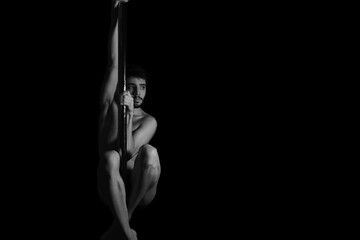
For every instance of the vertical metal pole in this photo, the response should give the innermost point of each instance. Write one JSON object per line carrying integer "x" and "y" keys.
{"x": 122, "y": 116}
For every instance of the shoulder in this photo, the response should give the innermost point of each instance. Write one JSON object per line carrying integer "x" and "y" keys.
{"x": 149, "y": 120}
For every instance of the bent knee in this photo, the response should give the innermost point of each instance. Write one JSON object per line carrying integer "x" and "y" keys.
{"x": 112, "y": 160}
{"x": 152, "y": 165}
{"x": 149, "y": 151}
{"x": 151, "y": 160}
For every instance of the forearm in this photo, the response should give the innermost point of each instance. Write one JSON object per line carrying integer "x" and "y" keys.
{"x": 111, "y": 77}
{"x": 130, "y": 139}
{"x": 114, "y": 45}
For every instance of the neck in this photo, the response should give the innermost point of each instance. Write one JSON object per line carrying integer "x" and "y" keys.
{"x": 138, "y": 111}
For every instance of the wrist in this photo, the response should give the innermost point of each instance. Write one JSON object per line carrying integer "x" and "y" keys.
{"x": 130, "y": 117}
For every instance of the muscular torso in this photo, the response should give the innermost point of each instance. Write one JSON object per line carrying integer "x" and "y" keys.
{"x": 108, "y": 127}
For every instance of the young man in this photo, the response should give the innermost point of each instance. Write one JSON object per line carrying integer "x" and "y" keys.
{"x": 124, "y": 194}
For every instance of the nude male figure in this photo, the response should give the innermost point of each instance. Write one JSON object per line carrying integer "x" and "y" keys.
{"x": 138, "y": 187}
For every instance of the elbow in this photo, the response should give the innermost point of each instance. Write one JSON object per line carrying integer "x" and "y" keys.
{"x": 105, "y": 104}
{"x": 113, "y": 66}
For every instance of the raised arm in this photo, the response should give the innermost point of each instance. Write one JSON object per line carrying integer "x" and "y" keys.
{"x": 111, "y": 78}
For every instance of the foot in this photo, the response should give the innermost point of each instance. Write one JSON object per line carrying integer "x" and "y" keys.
{"x": 116, "y": 2}
{"x": 133, "y": 235}
{"x": 114, "y": 234}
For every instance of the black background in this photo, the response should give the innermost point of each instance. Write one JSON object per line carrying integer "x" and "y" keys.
{"x": 216, "y": 90}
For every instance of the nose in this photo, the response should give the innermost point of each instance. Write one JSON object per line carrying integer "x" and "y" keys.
{"x": 136, "y": 92}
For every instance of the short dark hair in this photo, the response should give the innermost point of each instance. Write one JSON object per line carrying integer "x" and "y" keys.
{"x": 136, "y": 71}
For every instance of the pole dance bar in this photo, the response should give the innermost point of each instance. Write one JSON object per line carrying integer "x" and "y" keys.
{"x": 121, "y": 86}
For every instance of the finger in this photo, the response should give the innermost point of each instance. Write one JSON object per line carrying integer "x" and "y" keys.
{"x": 128, "y": 97}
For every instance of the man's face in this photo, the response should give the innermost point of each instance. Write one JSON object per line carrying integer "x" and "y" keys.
{"x": 137, "y": 89}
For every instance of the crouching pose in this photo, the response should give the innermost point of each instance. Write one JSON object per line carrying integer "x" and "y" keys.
{"x": 138, "y": 187}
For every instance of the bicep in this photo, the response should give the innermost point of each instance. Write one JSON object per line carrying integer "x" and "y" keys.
{"x": 104, "y": 109}
{"x": 109, "y": 86}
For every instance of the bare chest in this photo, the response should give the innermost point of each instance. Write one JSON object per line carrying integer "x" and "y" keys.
{"x": 136, "y": 122}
